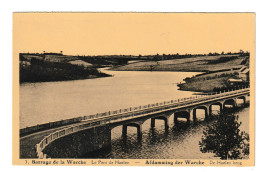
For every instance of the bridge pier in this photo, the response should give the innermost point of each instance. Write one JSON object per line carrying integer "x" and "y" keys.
{"x": 194, "y": 115}
{"x": 210, "y": 111}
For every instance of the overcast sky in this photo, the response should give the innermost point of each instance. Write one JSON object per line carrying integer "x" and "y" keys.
{"x": 131, "y": 33}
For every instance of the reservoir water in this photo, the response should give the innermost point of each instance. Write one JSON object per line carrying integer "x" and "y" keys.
{"x": 51, "y": 101}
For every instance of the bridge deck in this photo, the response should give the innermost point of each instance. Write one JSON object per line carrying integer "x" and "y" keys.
{"x": 28, "y": 143}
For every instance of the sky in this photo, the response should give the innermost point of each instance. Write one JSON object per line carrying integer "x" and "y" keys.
{"x": 133, "y": 33}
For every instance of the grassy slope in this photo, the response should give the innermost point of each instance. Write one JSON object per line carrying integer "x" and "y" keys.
{"x": 195, "y": 64}
{"x": 204, "y": 86}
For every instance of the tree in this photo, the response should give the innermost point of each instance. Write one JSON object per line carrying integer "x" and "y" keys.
{"x": 151, "y": 67}
{"x": 225, "y": 139}
{"x": 156, "y": 57}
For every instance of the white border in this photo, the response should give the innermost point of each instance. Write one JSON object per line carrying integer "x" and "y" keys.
{"x": 8, "y": 7}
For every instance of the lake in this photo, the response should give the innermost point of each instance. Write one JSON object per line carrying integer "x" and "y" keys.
{"x": 51, "y": 101}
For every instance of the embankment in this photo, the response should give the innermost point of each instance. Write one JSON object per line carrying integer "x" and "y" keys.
{"x": 211, "y": 82}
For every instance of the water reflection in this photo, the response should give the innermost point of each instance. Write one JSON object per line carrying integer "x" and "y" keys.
{"x": 179, "y": 141}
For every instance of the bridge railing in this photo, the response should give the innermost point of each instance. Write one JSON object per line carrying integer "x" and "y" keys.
{"x": 178, "y": 101}
{"x": 122, "y": 114}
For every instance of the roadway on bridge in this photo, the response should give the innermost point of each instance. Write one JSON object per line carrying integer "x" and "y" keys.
{"x": 28, "y": 142}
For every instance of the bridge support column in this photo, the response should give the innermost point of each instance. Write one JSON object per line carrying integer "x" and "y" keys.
{"x": 194, "y": 115}
{"x": 207, "y": 113}
{"x": 124, "y": 131}
{"x": 244, "y": 101}
{"x": 210, "y": 111}
{"x": 152, "y": 122}
{"x": 221, "y": 107}
{"x": 139, "y": 132}
{"x": 166, "y": 123}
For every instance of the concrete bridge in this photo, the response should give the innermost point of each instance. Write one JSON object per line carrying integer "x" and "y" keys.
{"x": 94, "y": 133}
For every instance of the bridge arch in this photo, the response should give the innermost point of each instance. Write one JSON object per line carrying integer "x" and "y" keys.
{"x": 206, "y": 111}
{"x": 138, "y": 129}
{"x": 243, "y": 98}
{"x": 165, "y": 117}
{"x": 182, "y": 114}
{"x": 220, "y": 104}
{"x": 230, "y": 102}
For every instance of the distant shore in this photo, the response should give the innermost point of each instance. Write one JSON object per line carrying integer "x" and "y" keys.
{"x": 217, "y": 70}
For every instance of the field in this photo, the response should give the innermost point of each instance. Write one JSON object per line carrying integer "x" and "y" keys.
{"x": 193, "y": 64}
{"x": 204, "y": 85}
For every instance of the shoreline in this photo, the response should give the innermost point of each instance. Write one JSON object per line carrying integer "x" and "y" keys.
{"x": 74, "y": 79}
{"x": 157, "y": 70}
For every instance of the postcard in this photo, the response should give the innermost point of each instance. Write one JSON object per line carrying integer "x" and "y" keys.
{"x": 133, "y": 89}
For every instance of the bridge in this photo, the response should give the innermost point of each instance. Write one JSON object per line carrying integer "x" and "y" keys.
{"x": 93, "y": 132}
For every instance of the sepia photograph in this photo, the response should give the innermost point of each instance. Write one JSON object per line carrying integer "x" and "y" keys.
{"x": 133, "y": 89}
